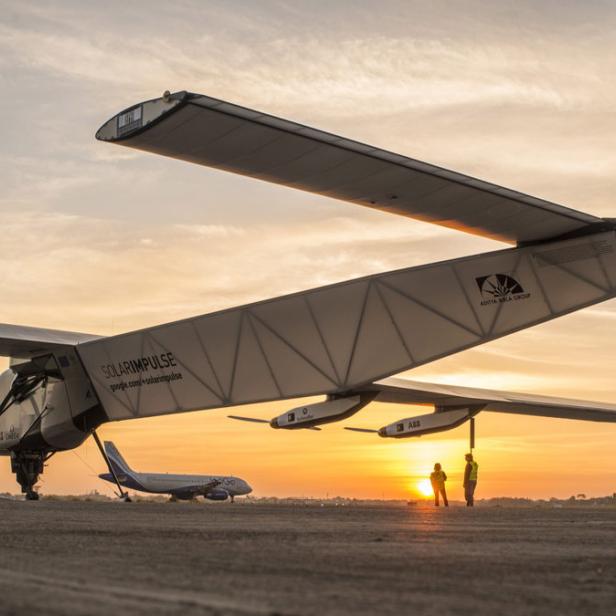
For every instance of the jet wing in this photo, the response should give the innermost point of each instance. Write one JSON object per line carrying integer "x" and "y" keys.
{"x": 197, "y": 489}
{"x": 214, "y": 133}
{"x": 24, "y": 342}
{"x": 452, "y": 397}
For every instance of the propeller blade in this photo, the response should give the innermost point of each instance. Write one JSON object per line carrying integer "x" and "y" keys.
{"x": 313, "y": 428}
{"x": 362, "y": 430}
{"x": 252, "y": 419}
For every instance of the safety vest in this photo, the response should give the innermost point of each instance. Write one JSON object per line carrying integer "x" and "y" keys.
{"x": 473, "y": 474}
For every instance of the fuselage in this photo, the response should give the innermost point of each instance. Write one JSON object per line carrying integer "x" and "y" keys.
{"x": 49, "y": 404}
{"x": 182, "y": 485}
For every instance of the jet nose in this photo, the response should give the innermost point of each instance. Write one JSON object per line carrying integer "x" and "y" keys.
{"x": 247, "y": 488}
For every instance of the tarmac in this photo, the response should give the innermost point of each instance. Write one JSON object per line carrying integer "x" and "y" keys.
{"x": 63, "y": 557}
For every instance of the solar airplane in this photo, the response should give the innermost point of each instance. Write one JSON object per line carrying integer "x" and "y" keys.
{"x": 343, "y": 341}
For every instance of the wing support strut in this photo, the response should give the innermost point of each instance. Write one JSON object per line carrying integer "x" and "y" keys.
{"x": 122, "y": 495}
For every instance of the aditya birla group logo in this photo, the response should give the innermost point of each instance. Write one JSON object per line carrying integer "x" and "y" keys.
{"x": 500, "y": 288}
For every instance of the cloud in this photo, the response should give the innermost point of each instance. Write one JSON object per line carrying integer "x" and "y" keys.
{"x": 79, "y": 272}
{"x": 363, "y": 73}
{"x": 99, "y": 238}
{"x": 514, "y": 105}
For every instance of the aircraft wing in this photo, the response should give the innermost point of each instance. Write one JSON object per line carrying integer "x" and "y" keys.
{"x": 214, "y": 133}
{"x": 197, "y": 489}
{"x": 335, "y": 339}
{"x": 24, "y": 342}
{"x": 450, "y": 397}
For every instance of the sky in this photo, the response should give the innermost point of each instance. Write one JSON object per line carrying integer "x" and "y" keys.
{"x": 103, "y": 240}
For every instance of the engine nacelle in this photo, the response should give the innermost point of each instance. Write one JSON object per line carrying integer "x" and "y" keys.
{"x": 333, "y": 409}
{"x": 426, "y": 424}
{"x": 217, "y": 495}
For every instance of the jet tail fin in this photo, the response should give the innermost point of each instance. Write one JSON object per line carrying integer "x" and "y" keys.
{"x": 119, "y": 464}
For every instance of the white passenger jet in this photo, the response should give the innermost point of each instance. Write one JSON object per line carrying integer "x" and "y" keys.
{"x": 179, "y": 487}
{"x": 343, "y": 340}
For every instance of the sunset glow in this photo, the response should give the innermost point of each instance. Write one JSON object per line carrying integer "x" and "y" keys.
{"x": 424, "y": 487}
{"x": 102, "y": 240}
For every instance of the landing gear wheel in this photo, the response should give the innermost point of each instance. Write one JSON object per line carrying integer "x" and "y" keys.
{"x": 126, "y": 498}
{"x": 27, "y": 466}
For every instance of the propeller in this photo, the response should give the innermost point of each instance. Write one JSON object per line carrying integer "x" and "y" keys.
{"x": 362, "y": 430}
{"x": 265, "y": 421}
{"x": 253, "y": 419}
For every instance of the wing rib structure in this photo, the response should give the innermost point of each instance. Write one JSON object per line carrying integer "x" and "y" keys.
{"x": 335, "y": 339}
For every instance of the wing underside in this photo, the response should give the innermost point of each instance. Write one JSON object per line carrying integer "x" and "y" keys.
{"x": 338, "y": 338}
{"x": 214, "y": 133}
{"x": 445, "y": 398}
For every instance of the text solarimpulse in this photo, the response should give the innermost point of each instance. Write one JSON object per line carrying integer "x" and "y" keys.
{"x": 139, "y": 365}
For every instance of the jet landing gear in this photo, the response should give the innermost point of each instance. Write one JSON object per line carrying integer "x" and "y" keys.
{"x": 27, "y": 466}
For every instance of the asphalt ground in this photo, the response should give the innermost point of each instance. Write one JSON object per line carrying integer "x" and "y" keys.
{"x": 182, "y": 558}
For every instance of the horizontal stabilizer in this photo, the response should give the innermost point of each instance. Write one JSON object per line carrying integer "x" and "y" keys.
{"x": 214, "y": 133}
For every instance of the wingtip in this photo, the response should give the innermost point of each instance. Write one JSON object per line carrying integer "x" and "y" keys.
{"x": 132, "y": 120}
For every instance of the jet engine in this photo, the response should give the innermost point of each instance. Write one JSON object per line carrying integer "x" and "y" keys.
{"x": 217, "y": 495}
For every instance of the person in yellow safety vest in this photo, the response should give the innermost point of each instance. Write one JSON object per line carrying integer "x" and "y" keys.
{"x": 438, "y": 479}
{"x": 470, "y": 479}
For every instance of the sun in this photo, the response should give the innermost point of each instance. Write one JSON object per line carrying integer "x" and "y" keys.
{"x": 424, "y": 487}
